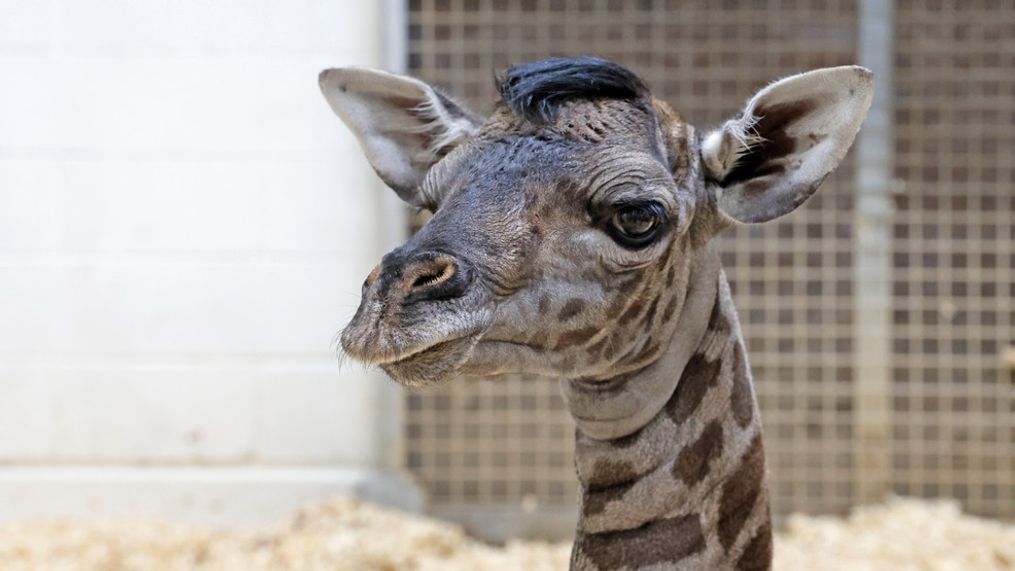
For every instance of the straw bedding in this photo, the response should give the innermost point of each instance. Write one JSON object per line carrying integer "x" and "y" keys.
{"x": 344, "y": 535}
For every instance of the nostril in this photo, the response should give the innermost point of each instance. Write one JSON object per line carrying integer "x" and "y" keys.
{"x": 434, "y": 275}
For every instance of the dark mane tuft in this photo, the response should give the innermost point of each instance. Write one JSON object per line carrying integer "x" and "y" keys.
{"x": 535, "y": 90}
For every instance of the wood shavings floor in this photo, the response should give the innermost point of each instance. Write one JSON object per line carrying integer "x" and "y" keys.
{"x": 348, "y": 535}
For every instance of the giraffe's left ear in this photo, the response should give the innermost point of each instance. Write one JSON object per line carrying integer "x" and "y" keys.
{"x": 404, "y": 125}
{"x": 773, "y": 156}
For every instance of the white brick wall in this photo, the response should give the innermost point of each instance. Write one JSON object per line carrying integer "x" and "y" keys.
{"x": 184, "y": 226}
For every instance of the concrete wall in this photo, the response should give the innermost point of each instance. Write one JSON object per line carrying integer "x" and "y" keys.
{"x": 184, "y": 226}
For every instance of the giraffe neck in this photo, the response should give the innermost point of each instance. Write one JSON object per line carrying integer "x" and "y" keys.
{"x": 685, "y": 488}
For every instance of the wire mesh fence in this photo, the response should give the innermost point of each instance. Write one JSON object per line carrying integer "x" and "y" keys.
{"x": 508, "y": 442}
{"x": 953, "y": 256}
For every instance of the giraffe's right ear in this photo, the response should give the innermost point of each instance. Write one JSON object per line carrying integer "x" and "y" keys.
{"x": 403, "y": 124}
{"x": 770, "y": 158}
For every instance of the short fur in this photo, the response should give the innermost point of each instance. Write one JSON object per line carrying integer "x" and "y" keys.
{"x": 522, "y": 270}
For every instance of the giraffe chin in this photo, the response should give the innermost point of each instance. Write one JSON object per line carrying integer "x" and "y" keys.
{"x": 434, "y": 365}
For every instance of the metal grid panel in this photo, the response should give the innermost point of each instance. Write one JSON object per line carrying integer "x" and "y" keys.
{"x": 492, "y": 442}
{"x": 953, "y": 254}
{"x": 504, "y": 441}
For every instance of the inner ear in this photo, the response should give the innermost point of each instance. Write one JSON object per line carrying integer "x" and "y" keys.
{"x": 404, "y": 125}
{"x": 770, "y": 141}
{"x": 773, "y": 156}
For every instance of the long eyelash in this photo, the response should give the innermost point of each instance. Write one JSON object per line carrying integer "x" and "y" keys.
{"x": 655, "y": 207}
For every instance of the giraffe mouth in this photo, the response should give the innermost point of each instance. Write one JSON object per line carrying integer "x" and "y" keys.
{"x": 417, "y": 345}
{"x": 433, "y": 364}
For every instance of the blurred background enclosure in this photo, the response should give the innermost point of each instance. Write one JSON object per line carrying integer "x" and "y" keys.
{"x": 879, "y": 371}
{"x": 185, "y": 224}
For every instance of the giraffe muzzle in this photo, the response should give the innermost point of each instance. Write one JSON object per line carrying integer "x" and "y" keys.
{"x": 419, "y": 317}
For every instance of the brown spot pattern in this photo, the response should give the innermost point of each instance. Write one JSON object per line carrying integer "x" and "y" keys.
{"x": 718, "y": 323}
{"x": 610, "y": 350}
{"x": 699, "y": 375}
{"x": 757, "y": 556}
{"x": 740, "y": 493}
{"x": 568, "y": 362}
{"x": 650, "y": 316}
{"x": 596, "y": 347}
{"x": 630, "y": 314}
{"x": 618, "y": 305}
{"x": 693, "y": 463}
{"x": 627, "y": 285}
{"x": 544, "y": 304}
{"x": 676, "y": 137}
{"x": 639, "y": 352}
{"x": 607, "y": 472}
{"x": 670, "y": 308}
{"x": 741, "y": 400}
{"x": 625, "y": 290}
{"x": 575, "y": 337}
{"x": 538, "y": 340}
{"x": 661, "y": 541}
{"x": 593, "y": 503}
{"x": 648, "y": 349}
{"x": 573, "y": 307}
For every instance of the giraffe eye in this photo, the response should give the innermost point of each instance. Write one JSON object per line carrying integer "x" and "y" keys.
{"x": 637, "y": 225}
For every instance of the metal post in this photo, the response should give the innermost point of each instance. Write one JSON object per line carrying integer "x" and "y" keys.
{"x": 394, "y": 231}
{"x": 873, "y": 257}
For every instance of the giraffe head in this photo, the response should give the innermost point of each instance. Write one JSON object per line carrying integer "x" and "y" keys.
{"x": 564, "y": 222}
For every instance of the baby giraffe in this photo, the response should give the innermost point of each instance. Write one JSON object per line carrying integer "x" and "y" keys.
{"x": 572, "y": 237}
